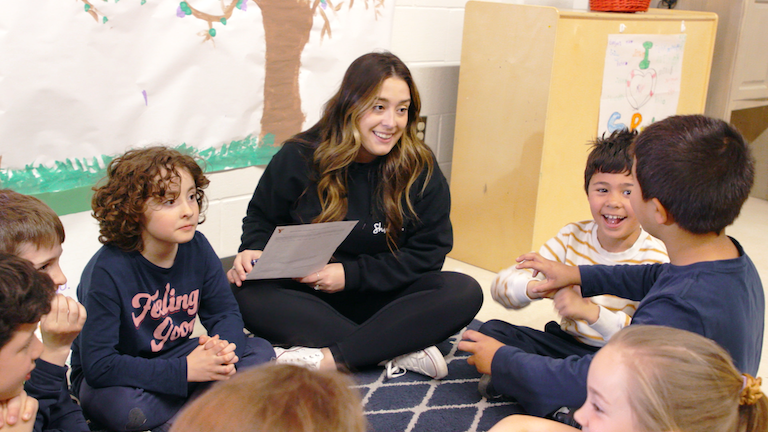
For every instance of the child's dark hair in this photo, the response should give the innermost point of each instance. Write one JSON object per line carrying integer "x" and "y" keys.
{"x": 132, "y": 180}
{"x": 699, "y": 168}
{"x": 26, "y": 219}
{"x": 610, "y": 155}
{"x": 25, "y": 295}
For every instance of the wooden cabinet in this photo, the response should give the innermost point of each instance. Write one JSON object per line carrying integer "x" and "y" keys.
{"x": 740, "y": 68}
{"x": 529, "y": 96}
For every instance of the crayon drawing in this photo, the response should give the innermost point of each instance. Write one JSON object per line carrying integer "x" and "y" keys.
{"x": 641, "y": 80}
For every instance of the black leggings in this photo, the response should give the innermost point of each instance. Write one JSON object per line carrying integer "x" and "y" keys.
{"x": 360, "y": 328}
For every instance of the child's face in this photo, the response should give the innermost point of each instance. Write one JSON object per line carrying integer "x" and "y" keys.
{"x": 609, "y": 202}
{"x": 172, "y": 219}
{"x": 45, "y": 260}
{"x": 607, "y": 408}
{"x": 17, "y": 359}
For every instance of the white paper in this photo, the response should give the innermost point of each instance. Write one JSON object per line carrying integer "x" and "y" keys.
{"x": 296, "y": 251}
{"x": 641, "y": 80}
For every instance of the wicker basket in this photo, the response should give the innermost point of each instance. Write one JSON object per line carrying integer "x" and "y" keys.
{"x": 619, "y": 5}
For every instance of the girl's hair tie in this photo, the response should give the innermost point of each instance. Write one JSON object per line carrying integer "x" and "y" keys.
{"x": 750, "y": 390}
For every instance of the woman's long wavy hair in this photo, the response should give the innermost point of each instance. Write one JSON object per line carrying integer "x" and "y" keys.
{"x": 341, "y": 140}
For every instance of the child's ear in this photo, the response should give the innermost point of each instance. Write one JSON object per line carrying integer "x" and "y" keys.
{"x": 660, "y": 213}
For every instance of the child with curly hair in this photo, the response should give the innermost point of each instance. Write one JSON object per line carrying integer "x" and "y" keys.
{"x": 135, "y": 363}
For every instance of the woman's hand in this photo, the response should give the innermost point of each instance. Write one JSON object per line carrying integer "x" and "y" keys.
{"x": 242, "y": 266}
{"x": 329, "y": 280}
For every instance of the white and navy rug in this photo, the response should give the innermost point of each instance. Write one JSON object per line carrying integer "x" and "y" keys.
{"x": 415, "y": 403}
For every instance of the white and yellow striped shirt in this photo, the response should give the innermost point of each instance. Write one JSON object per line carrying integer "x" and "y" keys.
{"x": 577, "y": 244}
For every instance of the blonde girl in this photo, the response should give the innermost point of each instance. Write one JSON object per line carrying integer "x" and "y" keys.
{"x": 654, "y": 379}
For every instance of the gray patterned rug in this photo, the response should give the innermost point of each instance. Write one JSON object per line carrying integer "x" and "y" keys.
{"x": 415, "y": 403}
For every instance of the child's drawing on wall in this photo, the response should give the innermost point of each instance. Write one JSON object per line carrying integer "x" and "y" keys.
{"x": 641, "y": 80}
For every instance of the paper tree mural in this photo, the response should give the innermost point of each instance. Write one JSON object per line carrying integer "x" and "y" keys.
{"x": 282, "y": 116}
{"x": 227, "y": 80}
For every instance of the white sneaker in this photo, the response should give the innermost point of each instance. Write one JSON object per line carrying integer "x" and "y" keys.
{"x": 429, "y": 362}
{"x": 309, "y": 358}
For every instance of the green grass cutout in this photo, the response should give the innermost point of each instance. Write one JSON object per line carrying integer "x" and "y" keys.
{"x": 66, "y": 186}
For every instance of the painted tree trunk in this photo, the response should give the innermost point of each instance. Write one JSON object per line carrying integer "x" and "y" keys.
{"x": 287, "y": 24}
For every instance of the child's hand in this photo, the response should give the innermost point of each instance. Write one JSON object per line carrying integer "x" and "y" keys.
{"x": 205, "y": 365}
{"x": 537, "y": 295}
{"x": 557, "y": 275}
{"x": 242, "y": 266}
{"x": 222, "y": 348}
{"x": 10, "y": 410}
{"x": 60, "y": 327}
{"x": 482, "y": 348}
{"x": 570, "y": 304}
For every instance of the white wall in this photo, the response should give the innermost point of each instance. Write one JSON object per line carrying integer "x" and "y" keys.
{"x": 426, "y": 35}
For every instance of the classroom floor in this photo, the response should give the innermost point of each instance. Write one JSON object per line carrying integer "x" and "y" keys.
{"x": 750, "y": 229}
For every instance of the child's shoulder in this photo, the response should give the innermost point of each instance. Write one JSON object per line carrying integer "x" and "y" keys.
{"x": 584, "y": 226}
{"x": 576, "y": 237}
{"x": 581, "y": 231}
{"x": 197, "y": 252}
{"x": 199, "y": 241}
{"x": 648, "y": 241}
{"x": 109, "y": 254}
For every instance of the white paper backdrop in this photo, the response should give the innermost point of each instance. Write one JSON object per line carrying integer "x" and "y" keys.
{"x": 75, "y": 90}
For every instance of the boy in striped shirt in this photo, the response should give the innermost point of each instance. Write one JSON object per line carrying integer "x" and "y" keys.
{"x": 614, "y": 236}
{"x": 692, "y": 176}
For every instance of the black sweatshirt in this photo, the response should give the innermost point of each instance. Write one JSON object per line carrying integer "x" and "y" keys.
{"x": 287, "y": 195}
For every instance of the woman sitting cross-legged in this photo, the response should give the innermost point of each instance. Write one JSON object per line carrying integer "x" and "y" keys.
{"x": 383, "y": 296}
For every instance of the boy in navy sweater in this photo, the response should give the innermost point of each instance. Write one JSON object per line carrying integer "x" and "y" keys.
{"x": 135, "y": 363}
{"x": 25, "y": 296}
{"x": 31, "y": 230}
{"x": 692, "y": 174}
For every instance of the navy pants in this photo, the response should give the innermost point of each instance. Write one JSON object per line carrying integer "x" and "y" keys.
{"x": 361, "y": 328}
{"x": 553, "y": 343}
{"x": 133, "y": 409}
